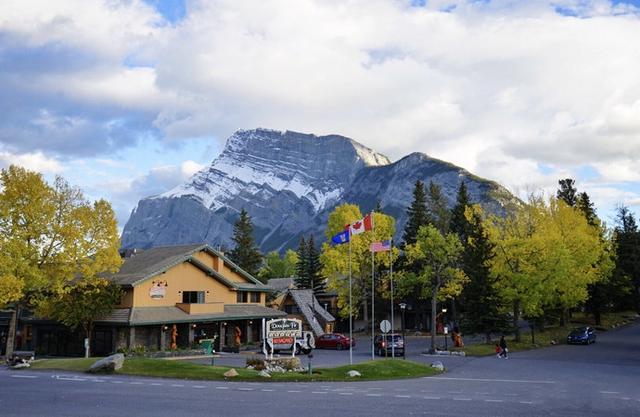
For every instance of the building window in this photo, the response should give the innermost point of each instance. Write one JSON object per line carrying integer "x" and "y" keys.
{"x": 193, "y": 297}
{"x": 255, "y": 297}
{"x": 241, "y": 297}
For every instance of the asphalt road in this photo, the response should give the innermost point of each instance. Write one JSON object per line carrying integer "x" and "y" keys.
{"x": 598, "y": 380}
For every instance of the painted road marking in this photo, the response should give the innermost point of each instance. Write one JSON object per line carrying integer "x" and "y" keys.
{"x": 116, "y": 382}
{"x": 374, "y": 395}
{"x": 461, "y": 399}
{"x": 155, "y": 384}
{"x": 71, "y": 379}
{"x": 293, "y": 390}
{"x": 24, "y": 376}
{"x": 199, "y": 386}
{"x": 402, "y": 396}
{"x": 494, "y": 401}
{"x": 267, "y": 390}
{"x": 609, "y": 392}
{"x": 136, "y": 383}
{"x": 521, "y": 381}
{"x": 222, "y": 387}
{"x": 525, "y": 402}
{"x": 345, "y": 393}
{"x": 247, "y": 389}
{"x": 177, "y": 385}
{"x": 431, "y": 398}
{"x": 318, "y": 392}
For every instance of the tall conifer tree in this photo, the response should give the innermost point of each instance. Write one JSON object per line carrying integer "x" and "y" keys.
{"x": 568, "y": 192}
{"x": 302, "y": 267}
{"x": 416, "y": 213}
{"x": 314, "y": 268}
{"x": 245, "y": 254}
{"x": 438, "y": 213}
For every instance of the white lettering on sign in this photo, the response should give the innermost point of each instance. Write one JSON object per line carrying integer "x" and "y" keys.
{"x": 277, "y": 328}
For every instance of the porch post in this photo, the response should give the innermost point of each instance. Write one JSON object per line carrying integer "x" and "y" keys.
{"x": 249, "y": 331}
{"x": 192, "y": 334}
{"x": 162, "y": 338}
{"x": 132, "y": 337}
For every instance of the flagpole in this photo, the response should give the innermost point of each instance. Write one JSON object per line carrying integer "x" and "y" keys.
{"x": 393, "y": 345}
{"x": 350, "y": 308}
{"x": 373, "y": 308}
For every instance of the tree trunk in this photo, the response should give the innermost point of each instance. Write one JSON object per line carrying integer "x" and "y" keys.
{"x": 434, "y": 304}
{"x": 11, "y": 337}
{"x": 87, "y": 330}
{"x": 516, "y": 319}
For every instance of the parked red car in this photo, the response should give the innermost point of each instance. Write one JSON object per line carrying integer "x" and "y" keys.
{"x": 334, "y": 341}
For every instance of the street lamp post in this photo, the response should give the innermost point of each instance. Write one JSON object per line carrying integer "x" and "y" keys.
{"x": 444, "y": 332}
{"x": 403, "y": 306}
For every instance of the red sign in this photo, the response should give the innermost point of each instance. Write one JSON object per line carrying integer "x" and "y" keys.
{"x": 283, "y": 340}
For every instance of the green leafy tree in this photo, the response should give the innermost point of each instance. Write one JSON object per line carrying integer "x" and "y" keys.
{"x": 49, "y": 235}
{"x": 82, "y": 303}
{"x": 245, "y": 254}
{"x": 302, "y": 267}
{"x": 567, "y": 192}
{"x": 278, "y": 267}
{"x": 440, "y": 277}
{"x": 335, "y": 259}
{"x": 484, "y": 306}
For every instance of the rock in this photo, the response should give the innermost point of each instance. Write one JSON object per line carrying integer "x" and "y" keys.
{"x": 251, "y": 367}
{"x": 231, "y": 373}
{"x": 109, "y": 364}
{"x": 437, "y": 365}
{"x": 264, "y": 374}
{"x": 353, "y": 374}
{"x": 21, "y": 365}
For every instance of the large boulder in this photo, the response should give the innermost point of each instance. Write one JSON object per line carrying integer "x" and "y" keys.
{"x": 353, "y": 374}
{"x": 438, "y": 366}
{"x": 231, "y": 373}
{"x": 109, "y": 364}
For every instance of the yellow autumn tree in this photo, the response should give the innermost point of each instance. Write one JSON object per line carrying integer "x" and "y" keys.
{"x": 335, "y": 259}
{"x": 50, "y": 235}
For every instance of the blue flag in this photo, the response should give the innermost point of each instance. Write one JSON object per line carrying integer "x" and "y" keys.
{"x": 340, "y": 238}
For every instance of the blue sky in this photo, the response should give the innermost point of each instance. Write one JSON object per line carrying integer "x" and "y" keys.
{"x": 127, "y": 99}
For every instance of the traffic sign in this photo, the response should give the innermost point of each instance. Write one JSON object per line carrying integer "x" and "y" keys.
{"x": 385, "y": 326}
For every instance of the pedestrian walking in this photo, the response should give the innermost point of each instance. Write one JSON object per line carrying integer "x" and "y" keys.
{"x": 503, "y": 346}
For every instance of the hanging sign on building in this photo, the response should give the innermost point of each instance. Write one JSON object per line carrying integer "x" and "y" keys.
{"x": 283, "y": 328}
{"x": 158, "y": 289}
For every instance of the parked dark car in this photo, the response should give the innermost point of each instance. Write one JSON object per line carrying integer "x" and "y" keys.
{"x": 388, "y": 344}
{"x": 582, "y": 335}
{"x": 334, "y": 341}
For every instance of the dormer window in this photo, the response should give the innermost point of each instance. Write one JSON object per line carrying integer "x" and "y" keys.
{"x": 193, "y": 297}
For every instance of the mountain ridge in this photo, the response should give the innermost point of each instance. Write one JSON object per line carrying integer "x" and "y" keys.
{"x": 290, "y": 182}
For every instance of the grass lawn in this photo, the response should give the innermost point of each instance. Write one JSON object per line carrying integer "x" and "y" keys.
{"x": 557, "y": 334}
{"x": 372, "y": 370}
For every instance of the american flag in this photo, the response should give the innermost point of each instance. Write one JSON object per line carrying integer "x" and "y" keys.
{"x": 383, "y": 246}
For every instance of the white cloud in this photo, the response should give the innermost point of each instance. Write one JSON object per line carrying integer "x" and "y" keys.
{"x": 500, "y": 87}
{"x": 35, "y": 161}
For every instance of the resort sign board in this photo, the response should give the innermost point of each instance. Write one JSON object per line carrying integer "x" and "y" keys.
{"x": 283, "y": 328}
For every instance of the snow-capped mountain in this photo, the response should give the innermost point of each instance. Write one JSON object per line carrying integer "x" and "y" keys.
{"x": 289, "y": 183}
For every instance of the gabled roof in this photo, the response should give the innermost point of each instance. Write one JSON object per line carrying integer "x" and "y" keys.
{"x": 151, "y": 262}
{"x": 311, "y": 308}
{"x": 281, "y": 284}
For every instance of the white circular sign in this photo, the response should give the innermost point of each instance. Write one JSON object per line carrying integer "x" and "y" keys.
{"x": 385, "y": 326}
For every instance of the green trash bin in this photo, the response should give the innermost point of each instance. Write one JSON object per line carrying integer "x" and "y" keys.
{"x": 207, "y": 345}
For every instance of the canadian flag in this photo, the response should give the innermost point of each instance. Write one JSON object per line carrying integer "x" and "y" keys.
{"x": 361, "y": 226}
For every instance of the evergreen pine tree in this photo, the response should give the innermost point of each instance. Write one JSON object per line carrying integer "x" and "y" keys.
{"x": 438, "y": 213}
{"x": 567, "y": 192}
{"x": 416, "y": 213}
{"x": 587, "y": 208}
{"x": 485, "y": 312}
{"x": 378, "y": 208}
{"x": 314, "y": 267}
{"x": 627, "y": 272}
{"x": 245, "y": 254}
{"x": 302, "y": 268}
{"x": 459, "y": 223}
